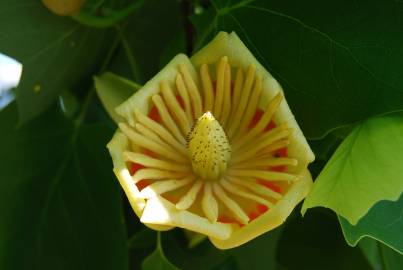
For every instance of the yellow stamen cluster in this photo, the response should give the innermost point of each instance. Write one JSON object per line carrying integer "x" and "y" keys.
{"x": 206, "y": 158}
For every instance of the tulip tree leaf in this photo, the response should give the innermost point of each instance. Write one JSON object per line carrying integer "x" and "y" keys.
{"x": 383, "y": 222}
{"x": 157, "y": 259}
{"x": 60, "y": 206}
{"x": 366, "y": 168}
{"x": 339, "y": 62}
{"x": 56, "y": 53}
{"x": 112, "y": 90}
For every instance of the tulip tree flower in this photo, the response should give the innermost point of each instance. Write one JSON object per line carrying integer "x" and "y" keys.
{"x": 210, "y": 145}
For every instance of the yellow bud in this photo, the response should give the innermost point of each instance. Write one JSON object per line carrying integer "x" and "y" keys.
{"x": 63, "y": 7}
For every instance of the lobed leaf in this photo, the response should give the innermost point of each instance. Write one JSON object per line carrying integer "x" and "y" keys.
{"x": 383, "y": 222}
{"x": 366, "y": 168}
{"x": 339, "y": 62}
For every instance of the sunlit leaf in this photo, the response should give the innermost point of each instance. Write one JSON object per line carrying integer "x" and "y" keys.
{"x": 366, "y": 168}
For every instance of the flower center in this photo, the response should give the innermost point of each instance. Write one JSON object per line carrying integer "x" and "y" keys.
{"x": 208, "y": 148}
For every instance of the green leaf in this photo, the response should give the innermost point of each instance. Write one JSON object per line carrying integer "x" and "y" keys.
{"x": 315, "y": 242}
{"x": 380, "y": 256}
{"x": 383, "y": 222}
{"x": 112, "y": 90}
{"x": 60, "y": 205}
{"x": 366, "y": 168}
{"x": 157, "y": 260}
{"x": 339, "y": 62}
{"x": 56, "y": 53}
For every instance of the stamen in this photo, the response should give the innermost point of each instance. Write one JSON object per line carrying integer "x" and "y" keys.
{"x": 148, "y": 133}
{"x": 244, "y": 193}
{"x": 193, "y": 91}
{"x": 167, "y": 119}
{"x": 239, "y": 214}
{"x": 256, "y": 188}
{"x": 174, "y": 107}
{"x": 155, "y": 174}
{"x": 263, "y": 121}
{"x": 187, "y": 201}
{"x": 227, "y": 96}
{"x": 266, "y": 162}
{"x": 271, "y": 137}
{"x": 219, "y": 92}
{"x": 237, "y": 94}
{"x": 148, "y": 161}
{"x": 274, "y": 147}
{"x": 247, "y": 87}
{"x": 147, "y": 143}
{"x": 209, "y": 203}
{"x": 161, "y": 131}
{"x": 265, "y": 175}
{"x": 161, "y": 187}
{"x": 207, "y": 88}
{"x": 183, "y": 92}
{"x": 251, "y": 108}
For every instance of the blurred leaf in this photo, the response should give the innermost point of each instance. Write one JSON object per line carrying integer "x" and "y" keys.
{"x": 60, "y": 206}
{"x": 338, "y": 61}
{"x": 203, "y": 256}
{"x": 260, "y": 253}
{"x": 112, "y": 90}
{"x": 56, "y": 53}
{"x": 150, "y": 37}
{"x": 383, "y": 222}
{"x": 315, "y": 242}
{"x": 366, "y": 168}
{"x": 380, "y": 256}
{"x": 157, "y": 260}
{"x": 143, "y": 239}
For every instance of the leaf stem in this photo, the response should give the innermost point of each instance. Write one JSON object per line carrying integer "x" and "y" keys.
{"x": 132, "y": 62}
{"x": 109, "y": 21}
